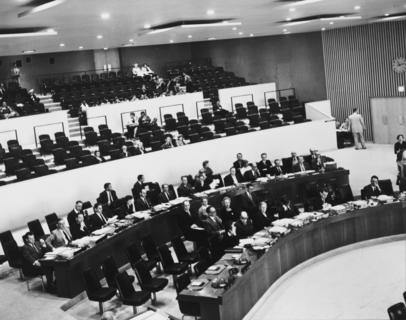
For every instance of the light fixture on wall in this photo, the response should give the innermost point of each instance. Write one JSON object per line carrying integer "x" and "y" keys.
{"x": 401, "y": 89}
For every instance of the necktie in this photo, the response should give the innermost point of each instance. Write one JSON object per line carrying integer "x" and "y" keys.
{"x": 66, "y": 235}
{"x": 167, "y": 196}
{"x": 146, "y": 202}
{"x": 279, "y": 170}
{"x": 103, "y": 219}
{"x": 302, "y": 168}
{"x": 35, "y": 247}
{"x": 110, "y": 198}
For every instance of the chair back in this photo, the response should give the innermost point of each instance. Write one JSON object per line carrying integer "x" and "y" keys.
{"x": 133, "y": 254}
{"x": 166, "y": 256}
{"x": 386, "y": 186}
{"x": 124, "y": 285}
{"x": 397, "y": 311}
{"x": 150, "y": 248}
{"x": 36, "y": 229}
{"x": 179, "y": 247}
{"x": 142, "y": 273}
{"x": 181, "y": 282}
{"x": 110, "y": 271}
{"x": 13, "y": 254}
{"x": 92, "y": 284}
{"x": 52, "y": 220}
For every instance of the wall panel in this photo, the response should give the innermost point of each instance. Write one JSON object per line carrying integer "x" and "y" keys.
{"x": 358, "y": 66}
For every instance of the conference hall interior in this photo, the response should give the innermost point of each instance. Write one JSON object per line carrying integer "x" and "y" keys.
{"x": 212, "y": 160}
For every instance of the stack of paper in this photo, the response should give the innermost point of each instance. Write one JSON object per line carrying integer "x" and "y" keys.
{"x": 278, "y": 230}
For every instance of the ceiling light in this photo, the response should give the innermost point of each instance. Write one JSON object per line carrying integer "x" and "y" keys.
{"x": 323, "y": 29}
{"x": 210, "y": 12}
{"x": 128, "y": 44}
{"x": 105, "y": 15}
{"x": 234, "y": 28}
{"x": 292, "y": 9}
{"x": 171, "y": 41}
{"x": 147, "y": 26}
{"x": 211, "y": 39}
{"x": 240, "y": 33}
{"x": 296, "y": 23}
{"x": 99, "y": 36}
{"x": 285, "y": 30}
{"x": 61, "y": 44}
{"x": 357, "y": 7}
{"x": 387, "y": 14}
{"x": 251, "y": 34}
{"x": 80, "y": 47}
{"x": 28, "y": 51}
{"x": 105, "y": 48}
{"x": 131, "y": 40}
{"x": 342, "y": 18}
{"x": 331, "y": 22}
{"x": 48, "y": 32}
{"x": 217, "y": 24}
{"x": 288, "y": 19}
{"x": 189, "y": 36}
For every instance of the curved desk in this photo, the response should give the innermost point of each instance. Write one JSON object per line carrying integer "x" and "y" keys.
{"x": 292, "y": 249}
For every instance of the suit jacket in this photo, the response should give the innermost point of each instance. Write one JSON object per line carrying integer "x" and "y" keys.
{"x": 264, "y": 168}
{"x": 213, "y": 227}
{"x": 244, "y": 230}
{"x": 249, "y": 204}
{"x": 77, "y": 232}
{"x": 72, "y": 217}
{"x": 260, "y": 221}
{"x": 59, "y": 238}
{"x": 96, "y": 222}
{"x": 125, "y": 210}
{"x": 228, "y": 180}
{"x": 141, "y": 205}
{"x": 369, "y": 192}
{"x": 251, "y": 175}
{"x": 276, "y": 172}
{"x": 30, "y": 255}
{"x": 238, "y": 164}
{"x": 199, "y": 187}
{"x": 228, "y": 217}
{"x": 356, "y": 123}
{"x": 103, "y": 198}
{"x": 286, "y": 212}
{"x": 185, "y": 220}
{"x": 163, "y": 198}
{"x": 296, "y": 167}
{"x": 185, "y": 191}
{"x": 137, "y": 189}
{"x": 317, "y": 166}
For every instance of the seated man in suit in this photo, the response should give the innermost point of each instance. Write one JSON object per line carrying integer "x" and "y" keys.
{"x": 301, "y": 166}
{"x": 143, "y": 203}
{"x": 249, "y": 201}
{"x": 293, "y": 160}
{"x": 108, "y": 196}
{"x": 373, "y": 189}
{"x": 32, "y": 252}
{"x": 201, "y": 183}
{"x": 278, "y": 169}
{"x": 238, "y": 164}
{"x": 98, "y": 219}
{"x": 168, "y": 144}
{"x": 188, "y": 223}
{"x": 138, "y": 186}
{"x": 286, "y": 209}
{"x": 263, "y": 216}
{"x": 265, "y": 165}
{"x": 166, "y": 195}
{"x": 202, "y": 211}
{"x": 79, "y": 229}
{"x": 232, "y": 179}
{"x": 75, "y": 212}
{"x": 244, "y": 227}
{"x": 253, "y": 173}
{"x": 185, "y": 189}
{"x": 317, "y": 163}
{"x": 327, "y": 197}
{"x": 124, "y": 152}
{"x": 59, "y": 237}
{"x": 206, "y": 170}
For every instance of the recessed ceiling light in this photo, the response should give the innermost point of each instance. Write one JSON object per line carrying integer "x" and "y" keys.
{"x": 147, "y": 26}
{"x": 323, "y": 29}
{"x": 99, "y": 36}
{"x": 211, "y": 39}
{"x": 105, "y": 15}
{"x": 285, "y": 30}
{"x": 292, "y": 9}
{"x": 210, "y": 12}
{"x": 131, "y": 40}
{"x": 288, "y": 19}
{"x": 240, "y": 33}
{"x": 61, "y": 44}
{"x": 331, "y": 22}
{"x": 251, "y": 34}
{"x": 28, "y": 51}
{"x": 81, "y": 47}
{"x": 387, "y": 14}
{"x": 105, "y": 48}
{"x": 357, "y": 7}
{"x": 234, "y": 28}
{"x": 171, "y": 41}
{"x": 189, "y": 36}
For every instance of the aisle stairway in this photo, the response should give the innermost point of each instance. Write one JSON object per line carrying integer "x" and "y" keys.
{"x": 49, "y": 103}
{"x": 74, "y": 128}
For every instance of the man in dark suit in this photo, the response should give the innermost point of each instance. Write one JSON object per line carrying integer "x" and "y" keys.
{"x": 108, "y": 196}
{"x": 286, "y": 209}
{"x": 98, "y": 219}
{"x": 75, "y": 212}
{"x": 79, "y": 229}
{"x": 32, "y": 252}
{"x": 201, "y": 183}
{"x": 124, "y": 152}
{"x": 373, "y": 189}
{"x": 244, "y": 227}
{"x": 232, "y": 179}
{"x": 265, "y": 165}
{"x": 278, "y": 169}
{"x": 301, "y": 166}
{"x": 249, "y": 201}
{"x": 252, "y": 174}
{"x": 166, "y": 195}
{"x": 262, "y": 217}
{"x": 239, "y": 163}
{"x": 138, "y": 186}
{"x": 142, "y": 203}
{"x": 185, "y": 189}
{"x": 188, "y": 224}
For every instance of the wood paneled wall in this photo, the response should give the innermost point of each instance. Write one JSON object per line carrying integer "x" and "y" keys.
{"x": 358, "y": 66}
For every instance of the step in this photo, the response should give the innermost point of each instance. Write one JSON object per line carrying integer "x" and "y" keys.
{"x": 51, "y": 104}
{"x": 75, "y": 120}
{"x": 53, "y": 109}
{"x": 46, "y": 101}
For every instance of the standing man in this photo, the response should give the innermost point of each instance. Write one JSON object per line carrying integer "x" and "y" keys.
{"x": 357, "y": 127}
